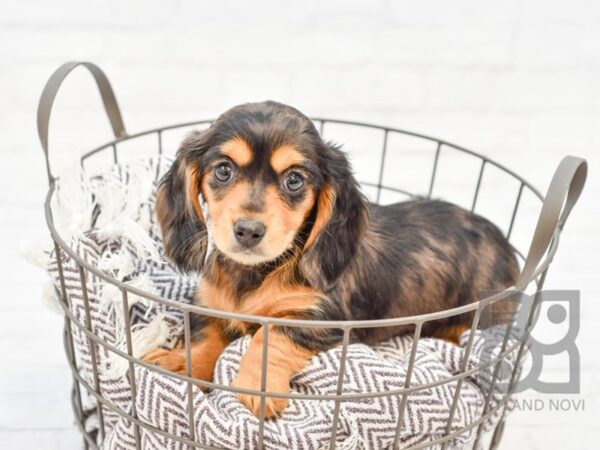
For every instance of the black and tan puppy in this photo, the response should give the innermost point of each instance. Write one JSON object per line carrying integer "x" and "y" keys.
{"x": 295, "y": 238}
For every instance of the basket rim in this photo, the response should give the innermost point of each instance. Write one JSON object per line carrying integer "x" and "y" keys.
{"x": 304, "y": 323}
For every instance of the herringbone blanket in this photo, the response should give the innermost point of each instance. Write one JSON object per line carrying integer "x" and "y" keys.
{"x": 108, "y": 221}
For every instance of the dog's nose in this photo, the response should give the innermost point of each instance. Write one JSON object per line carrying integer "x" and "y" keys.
{"x": 249, "y": 232}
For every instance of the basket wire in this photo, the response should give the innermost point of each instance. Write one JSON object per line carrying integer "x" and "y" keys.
{"x": 571, "y": 177}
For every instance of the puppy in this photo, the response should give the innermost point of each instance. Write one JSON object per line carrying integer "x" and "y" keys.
{"x": 295, "y": 238}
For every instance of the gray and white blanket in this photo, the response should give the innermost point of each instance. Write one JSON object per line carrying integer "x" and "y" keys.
{"x": 108, "y": 221}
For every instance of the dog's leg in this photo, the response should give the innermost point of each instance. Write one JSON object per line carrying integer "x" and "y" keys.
{"x": 204, "y": 353}
{"x": 284, "y": 359}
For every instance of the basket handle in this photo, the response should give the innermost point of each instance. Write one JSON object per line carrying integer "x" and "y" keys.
{"x": 565, "y": 187}
{"x": 49, "y": 94}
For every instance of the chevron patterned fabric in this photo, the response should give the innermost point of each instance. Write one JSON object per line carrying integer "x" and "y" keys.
{"x": 121, "y": 238}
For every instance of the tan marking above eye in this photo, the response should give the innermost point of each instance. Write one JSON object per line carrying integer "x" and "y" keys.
{"x": 238, "y": 150}
{"x": 285, "y": 157}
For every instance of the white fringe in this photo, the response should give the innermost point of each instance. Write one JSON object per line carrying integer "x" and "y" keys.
{"x": 72, "y": 207}
{"x": 119, "y": 213}
{"x": 124, "y": 218}
{"x": 144, "y": 336}
{"x": 119, "y": 265}
{"x": 36, "y": 251}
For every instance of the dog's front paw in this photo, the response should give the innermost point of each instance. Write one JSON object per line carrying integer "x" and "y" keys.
{"x": 172, "y": 360}
{"x": 275, "y": 383}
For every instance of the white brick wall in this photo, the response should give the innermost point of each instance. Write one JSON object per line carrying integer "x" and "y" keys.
{"x": 518, "y": 80}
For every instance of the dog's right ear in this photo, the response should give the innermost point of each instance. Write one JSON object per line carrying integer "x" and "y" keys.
{"x": 178, "y": 210}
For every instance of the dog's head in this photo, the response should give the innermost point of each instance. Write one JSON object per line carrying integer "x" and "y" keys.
{"x": 272, "y": 187}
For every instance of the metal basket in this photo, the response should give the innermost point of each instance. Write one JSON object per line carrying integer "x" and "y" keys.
{"x": 563, "y": 192}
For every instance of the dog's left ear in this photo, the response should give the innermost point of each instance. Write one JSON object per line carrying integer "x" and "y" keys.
{"x": 339, "y": 222}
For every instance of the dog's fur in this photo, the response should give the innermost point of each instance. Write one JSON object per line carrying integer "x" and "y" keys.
{"x": 327, "y": 253}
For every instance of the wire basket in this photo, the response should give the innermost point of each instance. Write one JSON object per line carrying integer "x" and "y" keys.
{"x": 563, "y": 192}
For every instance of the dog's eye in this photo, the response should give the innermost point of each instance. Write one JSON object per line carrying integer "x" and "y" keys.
{"x": 223, "y": 172}
{"x": 294, "y": 182}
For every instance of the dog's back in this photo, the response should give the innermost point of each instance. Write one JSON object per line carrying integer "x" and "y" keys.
{"x": 422, "y": 256}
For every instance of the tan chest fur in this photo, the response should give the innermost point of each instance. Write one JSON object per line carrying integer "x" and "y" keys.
{"x": 273, "y": 298}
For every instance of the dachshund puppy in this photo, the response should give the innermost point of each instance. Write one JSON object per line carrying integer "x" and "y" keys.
{"x": 294, "y": 238}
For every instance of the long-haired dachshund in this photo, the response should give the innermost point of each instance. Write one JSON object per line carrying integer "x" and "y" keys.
{"x": 295, "y": 238}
